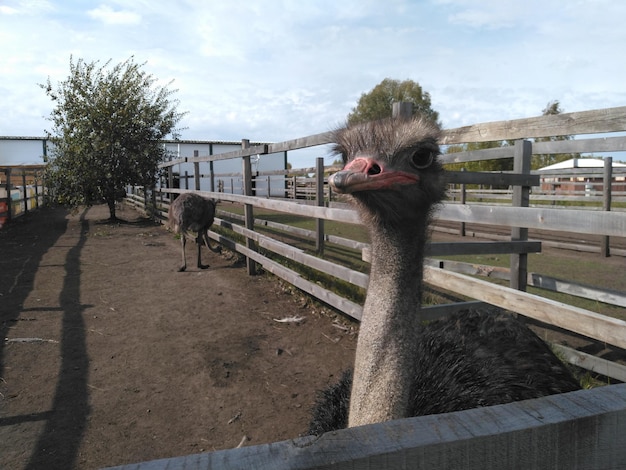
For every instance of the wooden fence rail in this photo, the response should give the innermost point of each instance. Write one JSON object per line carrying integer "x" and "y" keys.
{"x": 573, "y": 431}
{"x": 21, "y": 190}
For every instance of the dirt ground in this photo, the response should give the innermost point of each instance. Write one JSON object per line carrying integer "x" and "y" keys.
{"x": 113, "y": 357}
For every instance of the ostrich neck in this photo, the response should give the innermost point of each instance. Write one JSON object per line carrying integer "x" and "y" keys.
{"x": 386, "y": 352}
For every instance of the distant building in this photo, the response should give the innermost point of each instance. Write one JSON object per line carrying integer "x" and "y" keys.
{"x": 581, "y": 175}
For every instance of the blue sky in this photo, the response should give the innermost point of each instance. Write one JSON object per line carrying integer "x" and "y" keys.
{"x": 276, "y": 70}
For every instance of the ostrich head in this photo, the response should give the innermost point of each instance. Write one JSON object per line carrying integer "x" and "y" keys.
{"x": 392, "y": 174}
{"x": 391, "y": 169}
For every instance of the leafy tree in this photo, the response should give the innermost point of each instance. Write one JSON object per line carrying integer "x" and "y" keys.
{"x": 539, "y": 161}
{"x": 377, "y": 103}
{"x": 106, "y": 130}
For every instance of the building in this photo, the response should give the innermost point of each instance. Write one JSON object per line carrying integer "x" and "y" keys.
{"x": 581, "y": 176}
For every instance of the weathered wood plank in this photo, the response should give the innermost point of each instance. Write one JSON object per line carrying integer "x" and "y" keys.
{"x": 603, "y": 144}
{"x": 578, "y": 320}
{"x": 583, "y": 122}
{"x": 349, "y": 275}
{"x": 346, "y": 242}
{"x": 432, "y": 249}
{"x": 340, "y": 215}
{"x": 610, "y": 223}
{"x": 470, "y": 248}
{"x": 478, "y": 155}
{"x": 244, "y": 152}
{"x": 176, "y": 161}
{"x": 594, "y": 222}
{"x": 495, "y": 179}
{"x": 493, "y": 272}
{"x": 577, "y": 430}
{"x": 595, "y": 364}
{"x": 540, "y": 281}
{"x": 303, "y": 142}
{"x": 567, "y": 220}
{"x": 579, "y": 290}
{"x": 481, "y": 248}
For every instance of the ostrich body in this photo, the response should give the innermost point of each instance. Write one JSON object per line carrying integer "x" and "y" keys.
{"x": 190, "y": 212}
{"x": 403, "y": 368}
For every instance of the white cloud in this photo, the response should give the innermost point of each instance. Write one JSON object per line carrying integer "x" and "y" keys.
{"x": 281, "y": 69}
{"x": 7, "y": 10}
{"x": 107, "y": 15}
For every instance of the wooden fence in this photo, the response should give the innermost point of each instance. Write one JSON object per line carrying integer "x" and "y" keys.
{"x": 21, "y": 190}
{"x": 471, "y": 442}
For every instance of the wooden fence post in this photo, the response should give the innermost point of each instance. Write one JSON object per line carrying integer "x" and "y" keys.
{"x": 319, "y": 194}
{"x": 463, "y": 201}
{"x": 521, "y": 197}
{"x": 402, "y": 110}
{"x": 196, "y": 171}
{"x": 9, "y": 201}
{"x": 153, "y": 198}
{"x": 25, "y": 191}
{"x": 605, "y": 248}
{"x": 145, "y": 198}
{"x": 36, "y": 181}
{"x": 248, "y": 208}
{"x": 170, "y": 181}
{"x": 212, "y": 174}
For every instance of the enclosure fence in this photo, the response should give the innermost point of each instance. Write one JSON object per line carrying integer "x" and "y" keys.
{"x": 537, "y": 423}
{"x": 21, "y": 190}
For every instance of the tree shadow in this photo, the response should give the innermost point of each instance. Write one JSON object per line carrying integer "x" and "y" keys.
{"x": 70, "y": 407}
{"x": 23, "y": 243}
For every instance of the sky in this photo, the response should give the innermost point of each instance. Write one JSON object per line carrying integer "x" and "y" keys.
{"x": 277, "y": 70}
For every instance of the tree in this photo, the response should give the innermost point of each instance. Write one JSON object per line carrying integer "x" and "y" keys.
{"x": 542, "y": 160}
{"x": 377, "y": 103}
{"x": 107, "y": 125}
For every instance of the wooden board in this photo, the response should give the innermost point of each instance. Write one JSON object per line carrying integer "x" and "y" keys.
{"x": 566, "y": 220}
{"x": 491, "y": 178}
{"x": 577, "y": 430}
{"x": 583, "y": 122}
{"x": 578, "y": 320}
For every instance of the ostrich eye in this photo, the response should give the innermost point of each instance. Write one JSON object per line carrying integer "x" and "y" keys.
{"x": 421, "y": 158}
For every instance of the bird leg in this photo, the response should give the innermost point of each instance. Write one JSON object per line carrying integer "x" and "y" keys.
{"x": 199, "y": 238}
{"x": 183, "y": 241}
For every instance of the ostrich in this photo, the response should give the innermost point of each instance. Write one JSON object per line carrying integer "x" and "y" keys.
{"x": 404, "y": 368}
{"x": 190, "y": 212}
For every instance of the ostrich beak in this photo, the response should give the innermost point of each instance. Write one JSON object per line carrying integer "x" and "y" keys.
{"x": 366, "y": 174}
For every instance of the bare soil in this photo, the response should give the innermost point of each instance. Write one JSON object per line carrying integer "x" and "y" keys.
{"x": 109, "y": 356}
